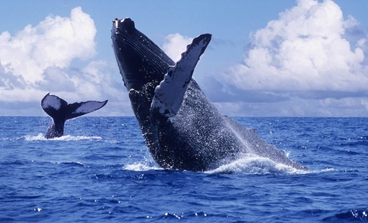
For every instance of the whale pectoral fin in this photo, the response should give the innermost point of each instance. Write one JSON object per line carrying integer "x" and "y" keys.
{"x": 81, "y": 108}
{"x": 169, "y": 94}
{"x": 52, "y": 104}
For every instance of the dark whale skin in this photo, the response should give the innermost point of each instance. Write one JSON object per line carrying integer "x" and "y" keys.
{"x": 198, "y": 137}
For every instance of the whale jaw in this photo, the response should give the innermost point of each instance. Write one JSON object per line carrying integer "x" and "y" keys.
{"x": 139, "y": 59}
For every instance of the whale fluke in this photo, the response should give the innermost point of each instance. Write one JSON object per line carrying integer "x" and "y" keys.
{"x": 60, "y": 111}
{"x": 170, "y": 92}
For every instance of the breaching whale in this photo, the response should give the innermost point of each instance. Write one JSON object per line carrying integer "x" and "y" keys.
{"x": 182, "y": 128}
{"x": 60, "y": 111}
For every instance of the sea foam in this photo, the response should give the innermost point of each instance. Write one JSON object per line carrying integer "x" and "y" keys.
{"x": 251, "y": 164}
{"x": 41, "y": 137}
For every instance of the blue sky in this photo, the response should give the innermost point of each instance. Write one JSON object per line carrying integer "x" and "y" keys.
{"x": 266, "y": 58}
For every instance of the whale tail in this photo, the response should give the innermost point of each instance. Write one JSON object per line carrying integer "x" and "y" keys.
{"x": 169, "y": 94}
{"x": 60, "y": 111}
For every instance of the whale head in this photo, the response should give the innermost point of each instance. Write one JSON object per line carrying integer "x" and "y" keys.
{"x": 139, "y": 59}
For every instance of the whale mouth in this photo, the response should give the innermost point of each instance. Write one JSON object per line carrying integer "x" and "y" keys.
{"x": 139, "y": 59}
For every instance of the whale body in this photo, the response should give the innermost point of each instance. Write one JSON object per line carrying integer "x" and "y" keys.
{"x": 60, "y": 111}
{"x": 181, "y": 127}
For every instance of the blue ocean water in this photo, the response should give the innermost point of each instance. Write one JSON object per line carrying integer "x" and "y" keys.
{"x": 101, "y": 171}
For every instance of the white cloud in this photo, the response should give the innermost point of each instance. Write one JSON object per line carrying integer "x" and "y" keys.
{"x": 54, "y": 42}
{"x": 311, "y": 61}
{"x": 38, "y": 59}
{"x": 175, "y": 44}
{"x": 304, "y": 49}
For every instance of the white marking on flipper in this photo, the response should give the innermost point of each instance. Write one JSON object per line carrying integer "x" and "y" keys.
{"x": 170, "y": 92}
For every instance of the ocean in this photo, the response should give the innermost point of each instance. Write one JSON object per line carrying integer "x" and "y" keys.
{"x": 101, "y": 171}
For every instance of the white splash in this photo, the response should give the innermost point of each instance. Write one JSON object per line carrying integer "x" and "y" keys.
{"x": 251, "y": 164}
{"x": 141, "y": 166}
{"x": 41, "y": 137}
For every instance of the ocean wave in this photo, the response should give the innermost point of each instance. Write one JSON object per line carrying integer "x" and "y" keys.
{"x": 71, "y": 163}
{"x": 351, "y": 215}
{"x": 5, "y": 139}
{"x": 41, "y": 137}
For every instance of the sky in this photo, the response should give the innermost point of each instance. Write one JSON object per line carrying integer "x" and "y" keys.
{"x": 293, "y": 58}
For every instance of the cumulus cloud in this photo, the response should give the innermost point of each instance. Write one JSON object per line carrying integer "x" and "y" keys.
{"x": 38, "y": 59}
{"x": 302, "y": 64}
{"x": 54, "y": 42}
{"x": 309, "y": 47}
{"x": 175, "y": 44}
